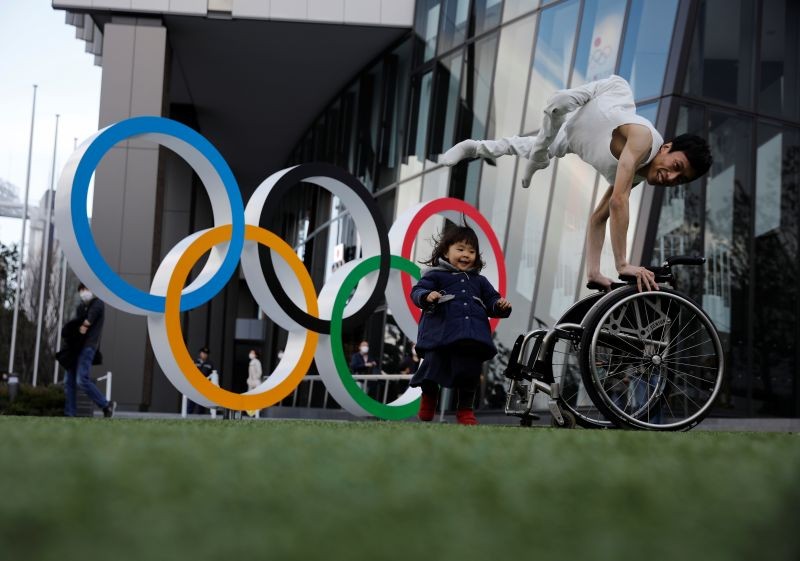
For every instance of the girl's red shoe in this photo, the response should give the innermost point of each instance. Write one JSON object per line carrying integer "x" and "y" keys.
{"x": 427, "y": 407}
{"x": 466, "y": 417}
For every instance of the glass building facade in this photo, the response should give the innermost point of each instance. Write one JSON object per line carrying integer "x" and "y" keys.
{"x": 724, "y": 69}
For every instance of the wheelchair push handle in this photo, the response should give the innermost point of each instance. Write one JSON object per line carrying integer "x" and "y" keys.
{"x": 684, "y": 260}
{"x": 663, "y": 273}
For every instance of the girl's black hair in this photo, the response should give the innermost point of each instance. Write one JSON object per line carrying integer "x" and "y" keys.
{"x": 454, "y": 235}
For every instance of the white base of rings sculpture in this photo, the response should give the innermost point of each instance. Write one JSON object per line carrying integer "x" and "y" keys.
{"x": 280, "y": 284}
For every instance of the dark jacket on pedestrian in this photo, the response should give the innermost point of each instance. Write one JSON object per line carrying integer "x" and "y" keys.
{"x": 358, "y": 364}
{"x": 73, "y": 343}
{"x": 468, "y": 301}
{"x": 94, "y": 312}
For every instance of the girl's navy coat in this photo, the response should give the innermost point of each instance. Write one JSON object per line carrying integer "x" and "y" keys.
{"x": 462, "y": 314}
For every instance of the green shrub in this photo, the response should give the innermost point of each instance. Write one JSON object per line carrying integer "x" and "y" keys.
{"x": 38, "y": 401}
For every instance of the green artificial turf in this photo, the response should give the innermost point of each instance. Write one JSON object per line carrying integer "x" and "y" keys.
{"x": 153, "y": 489}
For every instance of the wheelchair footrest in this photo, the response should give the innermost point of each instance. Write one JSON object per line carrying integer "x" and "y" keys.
{"x": 514, "y": 368}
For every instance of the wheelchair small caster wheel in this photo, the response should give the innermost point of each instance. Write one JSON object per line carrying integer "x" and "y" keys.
{"x": 569, "y": 421}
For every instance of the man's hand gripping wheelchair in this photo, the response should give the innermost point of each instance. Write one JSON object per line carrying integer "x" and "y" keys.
{"x": 621, "y": 358}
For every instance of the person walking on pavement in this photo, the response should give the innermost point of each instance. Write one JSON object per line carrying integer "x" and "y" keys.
{"x": 206, "y": 367}
{"x": 84, "y": 334}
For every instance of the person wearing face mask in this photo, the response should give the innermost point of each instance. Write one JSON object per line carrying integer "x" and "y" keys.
{"x": 254, "y": 370}
{"x": 362, "y": 363}
{"x": 89, "y": 318}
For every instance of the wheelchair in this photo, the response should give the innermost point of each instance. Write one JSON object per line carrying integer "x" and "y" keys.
{"x": 620, "y": 358}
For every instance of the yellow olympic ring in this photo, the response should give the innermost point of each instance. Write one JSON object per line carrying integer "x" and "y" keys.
{"x": 215, "y": 394}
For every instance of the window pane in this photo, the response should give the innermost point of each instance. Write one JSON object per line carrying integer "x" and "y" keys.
{"x": 455, "y": 15}
{"x": 514, "y": 8}
{"x": 511, "y": 76}
{"x": 776, "y": 270}
{"x": 647, "y": 42}
{"x": 427, "y": 27}
{"x": 477, "y": 85}
{"x": 448, "y": 103}
{"x": 505, "y": 118}
{"x": 727, "y": 234}
{"x": 523, "y": 250}
{"x": 566, "y": 236}
{"x": 487, "y": 15}
{"x": 396, "y": 88}
{"x": 780, "y": 72}
{"x": 478, "y": 82}
{"x": 423, "y": 110}
{"x": 598, "y": 42}
{"x": 649, "y": 111}
{"x": 721, "y": 60}
{"x": 552, "y": 58}
{"x": 407, "y": 195}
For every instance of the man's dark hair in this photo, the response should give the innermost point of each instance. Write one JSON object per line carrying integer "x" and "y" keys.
{"x": 697, "y": 152}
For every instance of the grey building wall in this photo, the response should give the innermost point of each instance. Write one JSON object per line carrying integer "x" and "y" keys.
{"x": 127, "y": 193}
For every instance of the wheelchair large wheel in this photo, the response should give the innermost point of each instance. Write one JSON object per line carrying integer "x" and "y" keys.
{"x": 651, "y": 360}
{"x": 564, "y": 360}
{"x": 575, "y": 398}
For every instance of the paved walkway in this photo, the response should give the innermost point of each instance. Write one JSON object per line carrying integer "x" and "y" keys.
{"x": 761, "y": 424}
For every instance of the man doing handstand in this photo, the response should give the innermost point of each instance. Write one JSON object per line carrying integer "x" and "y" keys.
{"x": 598, "y": 122}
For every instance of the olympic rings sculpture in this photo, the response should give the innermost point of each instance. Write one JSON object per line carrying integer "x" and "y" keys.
{"x": 280, "y": 284}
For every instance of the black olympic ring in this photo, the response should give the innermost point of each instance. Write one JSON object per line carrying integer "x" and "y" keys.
{"x": 289, "y": 180}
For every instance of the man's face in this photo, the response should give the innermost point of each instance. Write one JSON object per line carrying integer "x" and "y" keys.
{"x": 203, "y": 356}
{"x": 669, "y": 168}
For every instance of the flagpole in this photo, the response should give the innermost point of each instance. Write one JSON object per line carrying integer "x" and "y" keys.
{"x": 20, "y": 258}
{"x": 45, "y": 258}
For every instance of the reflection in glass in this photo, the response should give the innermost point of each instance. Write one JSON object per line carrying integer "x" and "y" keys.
{"x": 727, "y": 232}
{"x": 423, "y": 110}
{"x": 570, "y": 209}
{"x": 649, "y": 111}
{"x": 779, "y": 92}
{"x": 775, "y": 269}
{"x": 408, "y": 194}
{"x": 721, "y": 58}
{"x": 477, "y": 83}
{"x": 523, "y": 250}
{"x": 505, "y": 118}
{"x": 552, "y": 57}
{"x": 487, "y": 14}
{"x": 514, "y": 8}
{"x": 396, "y": 87}
{"x": 434, "y": 186}
{"x": 598, "y": 42}
{"x": 427, "y": 26}
{"x": 508, "y": 95}
{"x": 455, "y": 15}
{"x": 646, "y": 46}
{"x": 448, "y": 102}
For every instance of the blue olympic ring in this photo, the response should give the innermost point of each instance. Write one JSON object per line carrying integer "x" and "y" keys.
{"x": 101, "y": 144}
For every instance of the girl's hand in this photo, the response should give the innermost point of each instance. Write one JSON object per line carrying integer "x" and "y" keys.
{"x": 504, "y": 304}
{"x": 432, "y": 296}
